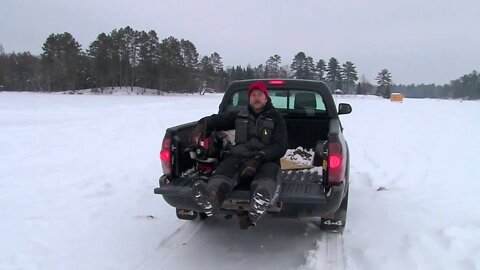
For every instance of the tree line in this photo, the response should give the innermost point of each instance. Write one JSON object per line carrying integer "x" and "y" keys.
{"x": 127, "y": 57}
{"x": 465, "y": 87}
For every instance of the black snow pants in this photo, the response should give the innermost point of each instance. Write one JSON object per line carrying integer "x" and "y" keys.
{"x": 226, "y": 177}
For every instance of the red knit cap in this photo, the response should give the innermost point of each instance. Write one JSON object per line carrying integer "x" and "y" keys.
{"x": 258, "y": 86}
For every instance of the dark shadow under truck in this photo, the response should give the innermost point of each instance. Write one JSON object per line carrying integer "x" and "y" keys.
{"x": 312, "y": 122}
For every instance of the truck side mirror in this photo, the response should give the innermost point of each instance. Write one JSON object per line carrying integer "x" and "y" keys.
{"x": 344, "y": 108}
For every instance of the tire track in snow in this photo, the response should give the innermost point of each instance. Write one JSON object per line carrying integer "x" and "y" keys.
{"x": 219, "y": 243}
{"x": 328, "y": 255}
{"x": 177, "y": 236}
{"x": 335, "y": 251}
{"x": 170, "y": 243}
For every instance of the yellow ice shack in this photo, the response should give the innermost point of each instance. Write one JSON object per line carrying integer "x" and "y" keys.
{"x": 396, "y": 97}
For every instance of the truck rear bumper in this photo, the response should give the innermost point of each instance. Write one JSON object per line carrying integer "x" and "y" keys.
{"x": 297, "y": 198}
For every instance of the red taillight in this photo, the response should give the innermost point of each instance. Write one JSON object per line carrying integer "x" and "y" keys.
{"x": 166, "y": 155}
{"x": 276, "y": 82}
{"x": 336, "y": 164}
{"x": 334, "y": 161}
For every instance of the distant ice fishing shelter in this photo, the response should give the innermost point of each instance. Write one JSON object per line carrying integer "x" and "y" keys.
{"x": 396, "y": 97}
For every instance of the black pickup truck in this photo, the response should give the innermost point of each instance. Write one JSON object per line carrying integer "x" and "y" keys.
{"x": 319, "y": 193}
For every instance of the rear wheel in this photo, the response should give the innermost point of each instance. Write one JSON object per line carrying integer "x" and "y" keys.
{"x": 336, "y": 221}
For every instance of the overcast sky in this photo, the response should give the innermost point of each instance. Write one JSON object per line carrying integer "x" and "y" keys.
{"x": 419, "y": 41}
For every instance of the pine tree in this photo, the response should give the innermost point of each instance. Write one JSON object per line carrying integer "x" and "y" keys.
{"x": 171, "y": 63}
{"x": 321, "y": 69}
{"x": 21, "y": 72}
{"x": 3, "y": 68}
{"x": 259, "y": 72}
{"x": 333, "y": 77}
{"x": 298, "y": 65}
{"x": 207, "y": 73}
{"x": 124, "y": 50}
{"x": 249, "y": 72}
{"x": 384, "y": 78}
{"x": 101, "y": 51}
{"x": 134, "y": 59}
{"x": 303, "y": 67}
{"x": 190, "y": 63}
{"x": 116, "y": 58}
{"x": 61, "y": 53}
{"x": 189, "y": 54}
{"x": 216, "y": 62}
{"x": 127, "y": 51}
{"x": 309, "y": 69}
{"x": 85, "y": 73}
{"x": 148, "y": 58}
{"x": 476, "y": 85}
{"x": 217, "y": 65}
{"x": 349, "y": 74}
{"x": 272, "y": 67}
{"x": 359, "y": 90}
{"x": 238, "y": 73}
{"x": 170, "y": 51}
{"x": 467, "y": 86}
{"x": 284, "y": 72}
{"x": 366, "y": 86}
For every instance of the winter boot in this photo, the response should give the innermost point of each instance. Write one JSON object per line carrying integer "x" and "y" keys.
{"x": 205, "y": 198}
{"x": 244, "y": 220}
{"x": 259, "y": 204}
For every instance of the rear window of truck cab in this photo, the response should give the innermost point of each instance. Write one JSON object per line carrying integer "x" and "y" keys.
{"x": 296, "y": 101}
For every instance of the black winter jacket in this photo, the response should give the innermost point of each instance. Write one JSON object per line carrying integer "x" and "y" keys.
{"x": 264, "y": 132}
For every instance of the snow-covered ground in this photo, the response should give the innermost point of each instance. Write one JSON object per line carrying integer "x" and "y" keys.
{"x": 77, "y": 174}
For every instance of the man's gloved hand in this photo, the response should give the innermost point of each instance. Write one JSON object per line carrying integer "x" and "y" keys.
{"x": 259, "y": 156}
{"x": 249, "y": 169}
{"x": 198, "y": 133}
